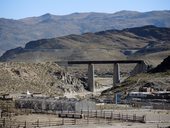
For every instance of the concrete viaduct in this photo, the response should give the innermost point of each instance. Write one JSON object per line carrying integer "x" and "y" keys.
{"x": 139, "y": 68}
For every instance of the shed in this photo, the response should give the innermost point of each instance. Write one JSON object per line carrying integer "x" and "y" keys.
{"x": 85, "y": 105}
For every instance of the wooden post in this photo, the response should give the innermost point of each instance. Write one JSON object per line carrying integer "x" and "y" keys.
{"x": 87, "y": 120}
{"x": 96, "y": 113}
{"x": 119, "y": 116}
{"x": 126, "y": 117}
{"x": 74, "y": 121}
{"x": 4, "y": 123}
{"x": 144, "y": 118}
{"x": 25, "y": 124}
{"x": 38, "y": 123}
{"x": 98, "y": 120}
{"x": 104, "y": 115}
{"x": 122, "y": 117}
{"x": 134, "y": 117}
{"x": 62, "y": 121}
{"x": 49, "y": 122}
{"x": 91, "y": 113}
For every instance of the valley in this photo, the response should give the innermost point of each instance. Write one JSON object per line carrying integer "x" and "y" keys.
{"x": 86, "y": 70}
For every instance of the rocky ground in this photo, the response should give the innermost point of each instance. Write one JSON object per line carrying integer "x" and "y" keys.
{"x": 50, "y": 79}
{"x": 157, "y": 78}
{"x": 46, "y": 78}
{"x": 159, "y": 81}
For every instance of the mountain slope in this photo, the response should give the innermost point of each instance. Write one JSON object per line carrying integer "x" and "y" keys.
{"x": 157, "y": 78}
{"x": 15, "y": 33}
{"x": 163, "y": 66}
{"x": 104, "y": 45}
{"x": 46, "y": 78}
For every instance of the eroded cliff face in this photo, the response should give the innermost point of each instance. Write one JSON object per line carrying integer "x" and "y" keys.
{"x": 46, "y": 78}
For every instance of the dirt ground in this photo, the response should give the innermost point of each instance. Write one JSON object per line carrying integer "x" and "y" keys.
{"x": 35, "y": 117}
{"x": 154, "y": 118}
{"x": 116, "y": 125}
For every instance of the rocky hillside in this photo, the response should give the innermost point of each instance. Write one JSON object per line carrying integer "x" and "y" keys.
{"x": 134, "y": 43}
{"x": 158, "y": 79}
{"x": 163, "y": 67}
{"x": 46, "y": 78}
{"x": 15, "y": 33}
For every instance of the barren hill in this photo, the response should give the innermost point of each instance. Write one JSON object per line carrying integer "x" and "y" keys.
{"x": 136, "y": 43}
{"x": 46, "y": 78}
{"x": 15, "y": 33}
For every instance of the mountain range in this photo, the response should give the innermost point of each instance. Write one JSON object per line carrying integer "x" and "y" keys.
{"x": 150, "y": 43}
{"x": 16, "y": 33}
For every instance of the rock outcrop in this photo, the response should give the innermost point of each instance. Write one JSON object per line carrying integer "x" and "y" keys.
{"x": 163, "y": 67}
{"x": 46, "y": 78}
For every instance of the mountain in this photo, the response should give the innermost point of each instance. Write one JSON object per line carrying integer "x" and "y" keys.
{"x": 157, "y": 49}
{"x": 16, "y": 33}
{"x": 131, "y": 43}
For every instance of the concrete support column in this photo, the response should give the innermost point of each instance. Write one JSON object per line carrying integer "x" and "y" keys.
{"x": 116, "y": 75}
{"x": 91, "y": 82}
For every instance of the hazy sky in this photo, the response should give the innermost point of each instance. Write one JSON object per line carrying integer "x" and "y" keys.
{"x": 17, "y": 9}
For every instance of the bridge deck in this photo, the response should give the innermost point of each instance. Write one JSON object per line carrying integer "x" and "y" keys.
{"x": 105, "y": 62}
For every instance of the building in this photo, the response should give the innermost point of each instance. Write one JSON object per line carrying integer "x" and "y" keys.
{"x": 139, "y": 94}
{"x": 155, "y": 100}
{"x": 150, "y": 95}
{"x": 162, "y": 95}
{"x": 53, "y": 104}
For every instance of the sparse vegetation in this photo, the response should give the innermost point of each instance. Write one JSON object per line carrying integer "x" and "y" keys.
{"x": 16, "y": 33}
{"x": 18, "y": 77}
{"x": 162, "y": 80}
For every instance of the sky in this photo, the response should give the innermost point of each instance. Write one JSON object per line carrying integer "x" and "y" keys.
{"x": 17, "y": 9}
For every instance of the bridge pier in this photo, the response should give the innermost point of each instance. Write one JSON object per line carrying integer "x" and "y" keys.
{"x": 91, "y": 82}
{"x": 116, "y": 74}
{"x": 140, "y": 67}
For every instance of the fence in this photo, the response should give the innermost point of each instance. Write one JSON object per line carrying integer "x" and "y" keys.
{"x": 88, "y": 117}
{"x": 108, "y": 115}
{"x": 151, "y": 105}
{"x": 5, "y": 123}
